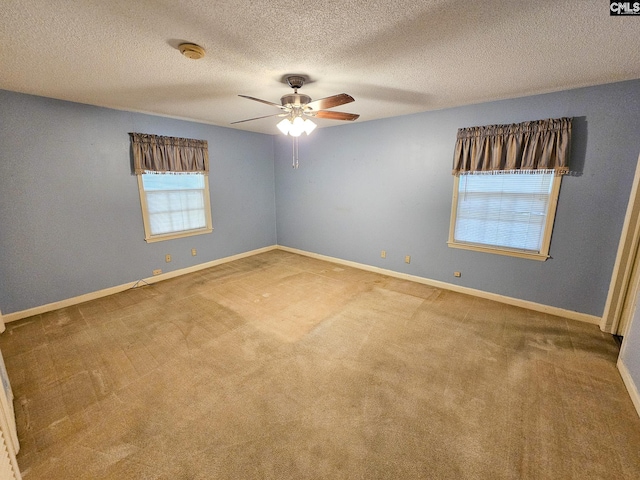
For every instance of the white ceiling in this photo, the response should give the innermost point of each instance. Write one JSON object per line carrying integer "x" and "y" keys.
{"x": 394, "y": 57}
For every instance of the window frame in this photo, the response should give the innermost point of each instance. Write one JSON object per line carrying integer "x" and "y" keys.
{"x": 512, "y": 252}
{"x": 150, "y": 238}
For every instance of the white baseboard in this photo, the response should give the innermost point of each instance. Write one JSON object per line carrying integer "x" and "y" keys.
{"x": 561, "y": 312}
{"x": 538, "y": 307}
{"x": 630, "y": 384}
{"x": 12, "y": 317}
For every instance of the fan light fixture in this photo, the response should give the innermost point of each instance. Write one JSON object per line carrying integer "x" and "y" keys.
{"x": 296, "y": 126}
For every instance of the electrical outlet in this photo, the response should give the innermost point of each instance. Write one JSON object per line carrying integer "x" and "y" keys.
{"x": 167, "y": 258}
{"x": 157, "y": 271}
{"x": 407, "y": 259}
{"x": 457, "y": 274}
{"x": 193, "y": 252}
{"x": 383, "y": 254}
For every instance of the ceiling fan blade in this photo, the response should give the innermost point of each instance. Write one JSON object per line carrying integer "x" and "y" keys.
{"x": 330, "y": 102}
{"x": 262, "y": 101}
{"x": 335, "y": 115}
{"x": 258, "y": 118}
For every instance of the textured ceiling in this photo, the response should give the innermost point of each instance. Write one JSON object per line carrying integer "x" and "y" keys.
{"x": 394, "y": 57}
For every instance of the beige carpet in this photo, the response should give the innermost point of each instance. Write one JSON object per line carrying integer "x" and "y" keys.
{"x": 280, "y": 366}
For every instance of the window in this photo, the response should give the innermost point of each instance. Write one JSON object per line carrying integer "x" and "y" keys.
{"x": 505, "y": 213}
{"x": 174, "y": 205}
{"x": 507, "y": 181}
{"x": 173, "y": 181}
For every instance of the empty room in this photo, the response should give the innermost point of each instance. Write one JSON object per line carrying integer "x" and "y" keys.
{"x": 320, "y": 240}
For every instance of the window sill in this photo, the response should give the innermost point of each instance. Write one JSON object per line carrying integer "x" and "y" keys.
{"x": 541, "y": 257}
{"x": 171, "y": 236}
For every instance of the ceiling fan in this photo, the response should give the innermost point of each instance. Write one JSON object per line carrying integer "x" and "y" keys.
{"x": 296, "y": 108}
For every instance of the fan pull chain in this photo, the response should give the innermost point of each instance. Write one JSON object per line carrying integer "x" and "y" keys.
{"x": 295, "y": 152}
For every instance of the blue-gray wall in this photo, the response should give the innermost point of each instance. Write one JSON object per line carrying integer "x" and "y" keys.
{"x": 387, "y": 185}
{"x": 70, "y": 218}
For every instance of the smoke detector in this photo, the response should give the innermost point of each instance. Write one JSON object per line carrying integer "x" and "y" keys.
{"x": 191, "y": 50}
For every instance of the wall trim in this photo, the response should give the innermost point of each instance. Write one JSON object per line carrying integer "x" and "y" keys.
{"x": 538, "y": 307}
{"x": 12, "y": 317}
{"x": 630, "y": 384}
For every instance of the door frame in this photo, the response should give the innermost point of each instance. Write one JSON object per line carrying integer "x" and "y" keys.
{"x": 625, "y": 280}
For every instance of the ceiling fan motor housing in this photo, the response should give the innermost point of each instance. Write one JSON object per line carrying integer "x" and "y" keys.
{"x": 295, "y": 100}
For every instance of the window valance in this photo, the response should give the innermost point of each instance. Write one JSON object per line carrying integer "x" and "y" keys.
{"x": 527, "y": 147}
{"x": 154, "y": 153}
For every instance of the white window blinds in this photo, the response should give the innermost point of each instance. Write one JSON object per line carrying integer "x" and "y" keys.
{"x": 506, "y": 210}
{"x": 175, "y": 203}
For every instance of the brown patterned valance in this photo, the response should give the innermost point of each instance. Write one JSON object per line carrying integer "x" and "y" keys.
{"x": 540, "y": 145}
{"x": 154, "y": 153}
